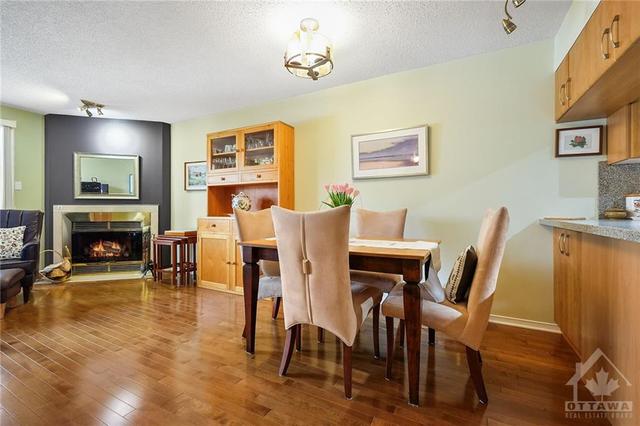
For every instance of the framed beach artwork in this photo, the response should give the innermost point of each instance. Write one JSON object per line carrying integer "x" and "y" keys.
{"x": 391, "y": 153}
{"x": 195, "y": 176}
{"x": 579, "y": 141}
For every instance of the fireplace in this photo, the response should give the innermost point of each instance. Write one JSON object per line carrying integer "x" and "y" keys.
{"x": 96, "y": 242}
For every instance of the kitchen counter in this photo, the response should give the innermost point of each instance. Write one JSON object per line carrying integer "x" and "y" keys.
{"x": 621, "y": 229}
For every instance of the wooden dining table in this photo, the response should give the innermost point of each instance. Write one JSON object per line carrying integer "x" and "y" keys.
{"x": 408, "y": 262}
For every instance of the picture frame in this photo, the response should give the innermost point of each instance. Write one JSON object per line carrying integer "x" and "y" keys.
{"x": 195, "y": 175}
{"x": 579, "y": 141}
{"x": 391, "y": 153}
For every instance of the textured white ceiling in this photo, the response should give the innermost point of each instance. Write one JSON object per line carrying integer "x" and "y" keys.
{"x": 170, "y": 61}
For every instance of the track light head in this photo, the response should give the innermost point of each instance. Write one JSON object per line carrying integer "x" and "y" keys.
{"x": 518, "y": 3}
{"x": 89, "y": 113}
{"x": 508, "y": 25}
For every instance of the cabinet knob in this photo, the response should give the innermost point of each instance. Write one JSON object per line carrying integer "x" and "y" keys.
{"x": 258, "y": 175}
{"x": 213, "y": 225}
{"x": 223, "y": 178}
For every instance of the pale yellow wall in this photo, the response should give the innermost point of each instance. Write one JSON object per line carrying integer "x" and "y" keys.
{"x": 491, "y": 144}
{"x": 29, "y": 157}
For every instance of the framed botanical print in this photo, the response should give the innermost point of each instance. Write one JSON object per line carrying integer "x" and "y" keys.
{"x": 195, "y": 176}
{"x": 391, "y": 153}
{"x": 579, "y": 141}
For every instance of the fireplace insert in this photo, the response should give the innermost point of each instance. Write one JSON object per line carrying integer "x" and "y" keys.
{"x": 100, "y": 242}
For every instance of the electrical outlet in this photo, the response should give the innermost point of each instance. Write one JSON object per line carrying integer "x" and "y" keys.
{"x": 18, "y": 185}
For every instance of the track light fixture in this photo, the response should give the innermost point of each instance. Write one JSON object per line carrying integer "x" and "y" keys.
{"x": 507, "y": 23}
{"x": 87, "y": 106}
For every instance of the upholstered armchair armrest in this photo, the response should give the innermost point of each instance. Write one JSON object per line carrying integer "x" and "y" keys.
{"x": 30, "y": 250}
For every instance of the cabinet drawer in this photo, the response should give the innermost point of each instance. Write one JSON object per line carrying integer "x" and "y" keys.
{"x": 259, "y": 176}
{"x": 222, "y": 179}
{"x": 221, "y": 225}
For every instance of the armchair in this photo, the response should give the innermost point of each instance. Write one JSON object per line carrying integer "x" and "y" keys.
{"x": 30, "y": 254}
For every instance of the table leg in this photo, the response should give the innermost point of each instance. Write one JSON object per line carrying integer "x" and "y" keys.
{"x": 413, "y": 321}
{"x": 174, "y": 263}
{"x": 413, "y": 324}
{"x": 250, "y": 279}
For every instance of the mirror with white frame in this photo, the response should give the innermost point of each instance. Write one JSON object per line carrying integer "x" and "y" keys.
{"x": 103, "y": 176}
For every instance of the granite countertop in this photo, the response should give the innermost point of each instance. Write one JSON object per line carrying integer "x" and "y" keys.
{"x": 621, "y": 229}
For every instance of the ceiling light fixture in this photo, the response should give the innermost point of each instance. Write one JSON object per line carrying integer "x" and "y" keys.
{"x": 87, "y": 106}
{"x": 309, "y": 54}
{"x": 507, "y": 23}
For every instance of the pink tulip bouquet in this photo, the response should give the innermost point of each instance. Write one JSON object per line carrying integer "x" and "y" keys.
{"x": 340, "y": 195}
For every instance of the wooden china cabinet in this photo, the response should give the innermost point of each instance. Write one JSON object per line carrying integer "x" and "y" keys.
{"x": 258, "y": 161}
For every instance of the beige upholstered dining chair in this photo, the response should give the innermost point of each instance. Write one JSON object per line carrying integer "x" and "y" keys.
{"x": 314, "y": 263}
{"x": 256, "y": 226}
{"x": 465, "y": 322}
{"x": 379, "y": 225}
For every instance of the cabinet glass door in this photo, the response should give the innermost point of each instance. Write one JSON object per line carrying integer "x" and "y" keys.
{"x": 224, "y": 153}
{"x": 259, "y": 149}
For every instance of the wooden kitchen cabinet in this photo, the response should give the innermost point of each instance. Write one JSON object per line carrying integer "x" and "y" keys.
{"x": 597, "y": 300}
{"x": 622, "y": 18}
{"x": 567, "y": 290}
{"x": 600, "y": 71}
{"x": 562, "y": 83}
{"x": 623, "y": 135}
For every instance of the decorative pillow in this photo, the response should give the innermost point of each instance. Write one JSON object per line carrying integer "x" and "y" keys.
{"x": 459, "y": 284}
{"x": 11, "y": 242}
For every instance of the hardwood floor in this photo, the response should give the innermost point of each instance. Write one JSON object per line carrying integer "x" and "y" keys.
{"x": 135, "y": 352}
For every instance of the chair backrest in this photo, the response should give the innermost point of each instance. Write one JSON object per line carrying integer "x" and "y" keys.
{"x": 257, "y": 226}
{"x": 373, "y": 224}
{"x": 32, "y": 219}
{"x": 490, "y": 250}
{"x": 313, "y": 249}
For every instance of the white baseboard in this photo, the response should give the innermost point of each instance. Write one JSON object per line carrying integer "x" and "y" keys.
{"x": 525, "y": 323}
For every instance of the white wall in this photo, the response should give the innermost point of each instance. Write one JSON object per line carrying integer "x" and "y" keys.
{"x": 491, "y": 143}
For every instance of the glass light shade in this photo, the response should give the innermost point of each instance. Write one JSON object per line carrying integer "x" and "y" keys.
{"x": 309, "y": 53}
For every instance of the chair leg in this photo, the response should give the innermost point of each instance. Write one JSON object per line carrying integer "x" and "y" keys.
{"x": 376, "y": 331}
{"x": 432, "y": 337}
{"x": 475, "y": 368}
{"x": 346, "y": 364}
{"x": 2, "y": 309}
{"x": 276, "y": 307}
{"x": 479, "y": 358}
{"x": 320, "y": 335}
{"x": 390, "y": 347}
{"x": 288, "y": 349}
{"x": 26, "y": 292}
{"x": 401, "y": 333}
{"x": 299, "y": 338}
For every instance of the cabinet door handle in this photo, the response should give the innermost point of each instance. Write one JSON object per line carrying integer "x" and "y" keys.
{"x": 560, "y": 241}
{"x": 563, "y": 94}
{"x": 605, "y": 34}
{"x": 566, "y": 246}
{"x": 616, "y": 42}
{"x": 568, "y": 90}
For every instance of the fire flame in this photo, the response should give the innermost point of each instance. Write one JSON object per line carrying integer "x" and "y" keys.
{"x": 105, "y": 248}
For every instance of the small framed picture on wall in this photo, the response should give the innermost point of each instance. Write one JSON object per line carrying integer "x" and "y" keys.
{"x": 195, "y": 176}
{"x": 579, "y": 141}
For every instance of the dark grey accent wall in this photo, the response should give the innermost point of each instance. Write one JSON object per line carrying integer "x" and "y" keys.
{"x": 66, "y": 134}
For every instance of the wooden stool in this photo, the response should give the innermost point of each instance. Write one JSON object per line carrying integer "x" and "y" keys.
{"x": 174, "y": 245}
{"x": 190, "y": 265}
